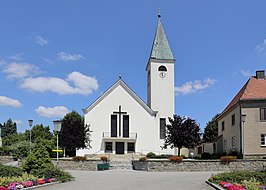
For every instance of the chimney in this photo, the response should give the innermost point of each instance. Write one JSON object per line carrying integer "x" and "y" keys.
{"x": 260, "y": 74}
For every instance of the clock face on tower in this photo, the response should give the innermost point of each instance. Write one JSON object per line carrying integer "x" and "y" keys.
{"x": 162, "y": 74}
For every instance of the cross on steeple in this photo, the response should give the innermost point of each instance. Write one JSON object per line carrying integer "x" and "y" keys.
{"x": 119, "y": 112}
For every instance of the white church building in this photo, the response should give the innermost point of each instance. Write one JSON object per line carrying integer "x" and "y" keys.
{"x": 121, "y": 122}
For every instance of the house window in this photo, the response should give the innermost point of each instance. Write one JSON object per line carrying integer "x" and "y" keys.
{"x": 263, "y": 140}
{"x": 130, "y": 147}
{"x": 223, "y": 126}
{"x": 263, "y": 114}
{"x": 225, "y": 145}
{"x": 233, "y": 118}
{"x": 162, "y": 128}
{"x": 108, "y": 147}
{"x": 233, "y": 142}
{"x": 200, "y": 150}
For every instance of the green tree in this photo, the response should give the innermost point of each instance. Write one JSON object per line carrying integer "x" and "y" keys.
{"x": 9, "y": 128}
{"x": 211, "y": 130}
{"x": 73, "y": 133}
{"x": 13, "y": 139}
{"x": 39, "y": 132}
{"x": 20, "y": 149}
{"x": 181, "y": 132}
{"x": 38, "y": 160}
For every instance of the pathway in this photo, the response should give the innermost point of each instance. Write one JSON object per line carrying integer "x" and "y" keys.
{"x": 129, "y": 180}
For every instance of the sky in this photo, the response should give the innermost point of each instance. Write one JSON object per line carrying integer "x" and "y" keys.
{"x": 60, "y": 56}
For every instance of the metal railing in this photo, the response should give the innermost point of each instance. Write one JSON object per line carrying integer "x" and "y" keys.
{"x": 108, "y": 135}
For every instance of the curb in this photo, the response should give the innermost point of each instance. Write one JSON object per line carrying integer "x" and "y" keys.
{"x": 38, "y": 186}
{"x": 213, "y": 185}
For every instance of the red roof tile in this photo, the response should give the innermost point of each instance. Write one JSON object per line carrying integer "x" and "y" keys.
{"x": 252, "y": 90}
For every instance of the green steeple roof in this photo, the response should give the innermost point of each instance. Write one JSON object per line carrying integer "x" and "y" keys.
{"x": 160, "y": 47}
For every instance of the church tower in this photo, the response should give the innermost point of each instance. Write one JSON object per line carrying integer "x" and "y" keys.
{"x": 160, "y": 75}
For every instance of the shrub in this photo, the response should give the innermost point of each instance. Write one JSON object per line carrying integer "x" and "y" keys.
{"x": 10, "y": 171}
{"x": 53, "y": 172}
{"x": 37, "y": 160}
{"x": 227, "y": 159}
{"x": 205, "y": 155}
{"x": 151, "y": 155}
{"x": 79, "y": 158}
{"x": 142, "y": 159}
{"x": 177, "y": 159}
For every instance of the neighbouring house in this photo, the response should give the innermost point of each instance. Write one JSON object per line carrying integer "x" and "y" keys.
{"x": 242, "y": 124}
{"x": 121, "y": 122}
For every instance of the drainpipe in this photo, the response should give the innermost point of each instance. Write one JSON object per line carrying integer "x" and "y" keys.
{"x": 240, "y": 130}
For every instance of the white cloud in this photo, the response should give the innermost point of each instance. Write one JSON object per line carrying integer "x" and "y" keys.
{"x": 16, "y": 70}
{"x": 16, "y": 57}
{"x": 6, "y": 101}
{"x": 261, "y": 47}
{"x": 245, "y": 73}
{"x": 57, "y": 111}
{"x": 194, "y": 86}
{"x": 48, "y": 60}
{"x": 76, "y": 83}
{"x": 18, "y": 122}
{"x": 41, "y": 40}
{"x": 69, "y": 57}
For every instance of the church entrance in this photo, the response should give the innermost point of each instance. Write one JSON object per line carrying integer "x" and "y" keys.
{"x": 119, "y": 147}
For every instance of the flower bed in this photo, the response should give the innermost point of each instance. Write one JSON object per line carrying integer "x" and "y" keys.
{"x": 241, "y": 180}
{"x": 21, "y": 185}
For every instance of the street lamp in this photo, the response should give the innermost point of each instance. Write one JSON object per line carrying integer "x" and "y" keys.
{"x": 57, "y": 128}
{"x": 243, "y": 119}
{"x": 30, "y": 121}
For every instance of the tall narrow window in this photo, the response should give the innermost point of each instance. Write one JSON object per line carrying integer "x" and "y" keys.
{"x": 233, "y": 118}
{"x": 263, "y": 114}
{"x": 225, "y": 145}
{"x": 223, "y": 126}
{"x": 263, "y": 140}
{"x": 108, "y": 147}
{"x": 162, "y": 128}
{"x": 113, "y": 125}
{"x": 233, "y": 142}
{"x": 126, "y": 126}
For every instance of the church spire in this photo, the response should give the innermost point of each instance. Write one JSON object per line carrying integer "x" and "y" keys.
{"x": 160, "y": 47}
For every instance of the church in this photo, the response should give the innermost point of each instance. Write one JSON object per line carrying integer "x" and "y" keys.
{"x": 121, "y": 122}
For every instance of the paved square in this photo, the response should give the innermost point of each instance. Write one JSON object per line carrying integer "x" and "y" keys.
{"x": 129, "y": 180}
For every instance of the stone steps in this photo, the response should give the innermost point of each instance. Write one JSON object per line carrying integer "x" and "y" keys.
{"x": 121, "y": 165}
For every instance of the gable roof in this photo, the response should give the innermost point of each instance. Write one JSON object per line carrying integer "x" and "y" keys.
{"x": 160, "y": 47}
{"x": 254, "y": 89}
{"x": 121, "y": 83}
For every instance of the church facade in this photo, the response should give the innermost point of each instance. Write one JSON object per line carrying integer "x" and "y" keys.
{"x": 121, "y": 122}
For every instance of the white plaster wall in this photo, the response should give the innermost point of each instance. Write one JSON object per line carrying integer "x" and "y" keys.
{"x": 162, "y": 89}
{"x": 140, "y": 122}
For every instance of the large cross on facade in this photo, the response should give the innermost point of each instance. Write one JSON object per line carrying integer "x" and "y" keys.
{"x": 120, "y": 113}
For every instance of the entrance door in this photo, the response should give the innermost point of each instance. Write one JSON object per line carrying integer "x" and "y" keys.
{"x": 120, "y": 147}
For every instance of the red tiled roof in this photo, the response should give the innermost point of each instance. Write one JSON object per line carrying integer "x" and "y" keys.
{"x": 252, "y": 90}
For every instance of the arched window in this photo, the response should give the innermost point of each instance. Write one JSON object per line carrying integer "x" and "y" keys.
{"x": 162, "y": 68}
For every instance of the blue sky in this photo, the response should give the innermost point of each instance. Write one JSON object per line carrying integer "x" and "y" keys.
{"x": 59, "y": 56}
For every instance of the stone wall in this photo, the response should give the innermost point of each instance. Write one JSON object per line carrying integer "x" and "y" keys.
{"x": 69, "y": 164}
{"x": 199, "y": 165}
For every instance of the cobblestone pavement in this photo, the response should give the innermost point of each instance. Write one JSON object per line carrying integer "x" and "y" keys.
{"x": 129, "y": 180}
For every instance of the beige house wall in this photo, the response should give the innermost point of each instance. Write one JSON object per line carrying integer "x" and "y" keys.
{"x": 230, "y": 130}
{"x": 253, "y": 128}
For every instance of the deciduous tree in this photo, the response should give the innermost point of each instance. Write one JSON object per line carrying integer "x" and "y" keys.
{"x": 211, "y": 130}
{"x": 73, "y": 133}
{"x": 181, "y": 132}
